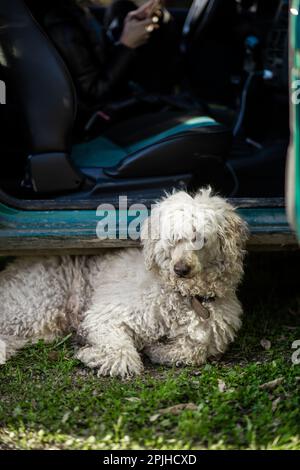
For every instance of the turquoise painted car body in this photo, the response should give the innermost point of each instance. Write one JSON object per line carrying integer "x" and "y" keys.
{"x": 31, "y": 231}
{"x": 75, "y": 231}
{"x": 294, "y": 152}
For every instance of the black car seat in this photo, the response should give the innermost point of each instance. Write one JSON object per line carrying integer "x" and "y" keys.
{"x": 154, "y": 145}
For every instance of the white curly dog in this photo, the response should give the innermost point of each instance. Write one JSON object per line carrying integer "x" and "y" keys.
{"x": 175, "y": 300}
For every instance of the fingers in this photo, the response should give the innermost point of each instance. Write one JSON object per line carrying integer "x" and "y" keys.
{"x": 137, "y": 32}
{"x": 144, "y": 11}
{"x": 151, "y": 27}
{"x": 146, "y": 23}
{"x": 147, "y": 7}
{"x": 137, "y": 15}
{"x": 134, "y": 15}
{"x": 148, "y": 26}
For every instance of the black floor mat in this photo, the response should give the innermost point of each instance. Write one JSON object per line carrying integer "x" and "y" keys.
{"x": 260, "y": 171}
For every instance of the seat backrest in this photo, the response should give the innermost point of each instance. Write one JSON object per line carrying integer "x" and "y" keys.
{"x": 38, "y": 79}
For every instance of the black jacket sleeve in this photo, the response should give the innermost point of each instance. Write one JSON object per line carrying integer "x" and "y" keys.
{"x": 99, "y": 69}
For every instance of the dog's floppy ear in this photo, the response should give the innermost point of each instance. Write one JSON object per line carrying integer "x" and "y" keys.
{"x": 233, "y": 234}
{"x": 149, "y": 236}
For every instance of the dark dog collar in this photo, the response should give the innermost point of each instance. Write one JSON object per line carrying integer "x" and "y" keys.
{"x": 200, "y": 305}
{"x": 205, "y": 300}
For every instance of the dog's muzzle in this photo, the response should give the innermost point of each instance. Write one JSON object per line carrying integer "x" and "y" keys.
{"x": 182, "y": 269}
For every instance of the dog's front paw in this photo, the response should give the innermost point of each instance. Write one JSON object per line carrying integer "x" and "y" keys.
{"x": 122, "y": 363}
{"x": 90, "y": 356}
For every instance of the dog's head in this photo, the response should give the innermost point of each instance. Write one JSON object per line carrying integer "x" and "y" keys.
{"x": 196, "y": 244}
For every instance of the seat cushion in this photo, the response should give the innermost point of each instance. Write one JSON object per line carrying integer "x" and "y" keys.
{"x": 97, "y": 153}
{"x": 134, "y": 135}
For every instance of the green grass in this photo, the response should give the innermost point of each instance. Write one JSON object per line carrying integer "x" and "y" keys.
{"x": 48, "y": 400}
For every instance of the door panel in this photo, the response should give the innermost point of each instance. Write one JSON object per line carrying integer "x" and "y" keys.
{"x": 293, "y": 173}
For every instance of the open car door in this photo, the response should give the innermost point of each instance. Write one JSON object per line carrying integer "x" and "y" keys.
{"x": 293, "y": 173}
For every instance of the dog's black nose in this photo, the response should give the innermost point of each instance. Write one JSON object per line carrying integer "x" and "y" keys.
{"x": 182, "y": 269}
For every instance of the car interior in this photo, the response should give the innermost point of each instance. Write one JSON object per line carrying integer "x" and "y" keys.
{"x": 226, "y": 124}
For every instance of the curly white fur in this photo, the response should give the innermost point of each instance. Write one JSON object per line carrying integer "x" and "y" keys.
{"x": 120, "y": 307}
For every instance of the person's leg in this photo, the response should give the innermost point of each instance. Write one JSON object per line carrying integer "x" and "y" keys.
{"x": 156, "y": 65}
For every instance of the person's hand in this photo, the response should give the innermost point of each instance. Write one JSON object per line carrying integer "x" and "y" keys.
{"x": 146, "y": 10}
{"x": 136, "y": 32}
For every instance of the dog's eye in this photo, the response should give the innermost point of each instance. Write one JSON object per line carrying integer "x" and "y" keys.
{"x": 204, "y": 240}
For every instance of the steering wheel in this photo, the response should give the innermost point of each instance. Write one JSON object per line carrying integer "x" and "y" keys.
{"x": 199, "y": 16}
